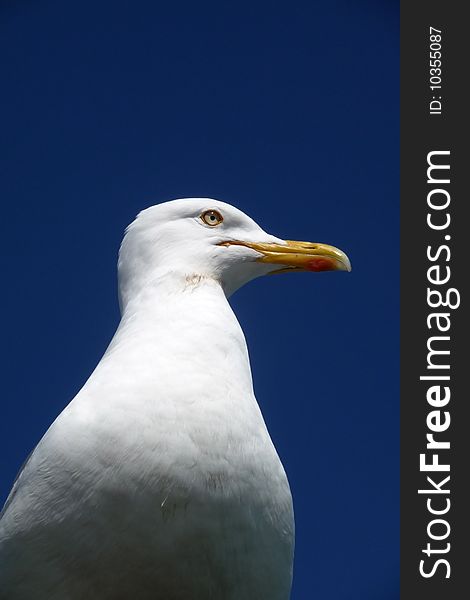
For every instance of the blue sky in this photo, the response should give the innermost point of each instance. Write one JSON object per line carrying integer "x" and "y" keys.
{"x": 288, "y": 111}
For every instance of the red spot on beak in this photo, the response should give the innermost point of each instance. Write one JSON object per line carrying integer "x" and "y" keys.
{"x": 320, "y": 264}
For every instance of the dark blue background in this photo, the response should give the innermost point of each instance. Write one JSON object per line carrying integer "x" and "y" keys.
{"x": 290, "y": 112}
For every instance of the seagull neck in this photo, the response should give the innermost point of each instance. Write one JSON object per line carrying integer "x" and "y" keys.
{"x": 189, "y": 327}
{"x": 137, "y": 292}
{"x": 186, "y": 332}
{"x": 178, "y": 303}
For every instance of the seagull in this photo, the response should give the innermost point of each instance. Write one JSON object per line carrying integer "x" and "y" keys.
{"x": 159, "y": 480}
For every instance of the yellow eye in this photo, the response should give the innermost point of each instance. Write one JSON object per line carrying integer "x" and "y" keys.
{"x": 212, "y": 218}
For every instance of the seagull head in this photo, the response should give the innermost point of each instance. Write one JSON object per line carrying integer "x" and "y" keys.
{"x": 202, "y": 238}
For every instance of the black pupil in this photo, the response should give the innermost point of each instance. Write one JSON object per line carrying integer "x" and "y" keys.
{"x": 212, "y": 217}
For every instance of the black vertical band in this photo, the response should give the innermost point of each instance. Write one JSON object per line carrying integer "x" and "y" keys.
{"x": 434, "y": 299}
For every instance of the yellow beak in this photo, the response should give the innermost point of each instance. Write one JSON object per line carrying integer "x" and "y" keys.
{"x": 299, "y": 256}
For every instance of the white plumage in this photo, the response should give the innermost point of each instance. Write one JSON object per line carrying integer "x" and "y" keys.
{"x": 159, "y": 480}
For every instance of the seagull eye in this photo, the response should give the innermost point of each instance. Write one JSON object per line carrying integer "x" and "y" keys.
{"x": 212, "y": 217}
